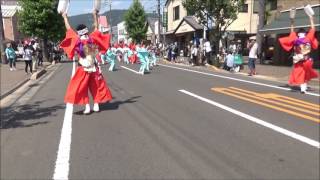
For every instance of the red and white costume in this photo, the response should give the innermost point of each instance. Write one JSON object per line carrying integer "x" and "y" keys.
{"x": 87, "y": 76}
{"x": 133, "y": 58}
{"x": 302, "y": 71}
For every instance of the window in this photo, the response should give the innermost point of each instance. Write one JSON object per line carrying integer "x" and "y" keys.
{"x": 272, "y": 4}
{"x": 256, "y": 6}
{"x": 176, "y": 13}
{"x": 244, "y": 8}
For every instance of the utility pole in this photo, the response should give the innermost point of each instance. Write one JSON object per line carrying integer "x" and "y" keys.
{"x": 159, "y": 21}
{"x": 262, "y": 9}
{"x": 3, "y": 58}
{"x": 110, "y": 6}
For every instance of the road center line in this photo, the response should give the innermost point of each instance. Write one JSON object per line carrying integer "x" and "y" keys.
{"x": 235, "y": 79}
{"x": 256, "y": 120}
{"x": 130, "y": 69}
{"x": 62, "y": 166}
{"x": 62, "y": 163}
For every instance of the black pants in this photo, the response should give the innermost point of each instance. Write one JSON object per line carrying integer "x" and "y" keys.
{"x": 12, "y": 61}
{"x": 40, "y": 61}
{"x": 28, "y": 63}
{"x": 207, "y": 59}
{"x": 195, "y": 60}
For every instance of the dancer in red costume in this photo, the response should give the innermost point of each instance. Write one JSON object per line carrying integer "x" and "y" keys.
{"x": 302, "y": 43}
{"x": 133, "y": 58}
{"x": 88, "y": 75}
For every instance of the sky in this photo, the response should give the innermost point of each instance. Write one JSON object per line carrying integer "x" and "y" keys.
{"x": 85, "y": 6}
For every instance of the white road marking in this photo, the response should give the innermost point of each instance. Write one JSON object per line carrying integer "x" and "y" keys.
{"x": 256, "y": 120}
{"x": 62, "y": 166}
{"x": 235, "y": 79}
{"x": 130, "y": 69}
{"x": 62, "y": 163}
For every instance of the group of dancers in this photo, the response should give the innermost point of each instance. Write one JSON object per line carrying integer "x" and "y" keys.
{"x": 94, "y": 49}
{"x": 130, "y": 53}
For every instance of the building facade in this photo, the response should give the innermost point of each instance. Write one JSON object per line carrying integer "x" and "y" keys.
{"x": 184, "y": 28}
{"x": 9, "y": 9}
{"x": 122, "y": 33}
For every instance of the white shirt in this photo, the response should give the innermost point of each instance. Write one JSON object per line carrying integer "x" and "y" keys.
{"x": 230, "y": 60}
{"x": 195, "y": 51}
{"x": 253, "y": 51}
{"x": 28, "y": 54}
{"x": 207, "y": 46}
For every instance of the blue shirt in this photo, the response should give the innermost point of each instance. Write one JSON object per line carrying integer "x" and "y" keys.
{"x": 10, "y": 53}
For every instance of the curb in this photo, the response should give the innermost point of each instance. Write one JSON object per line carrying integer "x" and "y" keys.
{"x": 38, "y": 74}
{"x": 14, "y": 88}
{"x": 34, "y": 76}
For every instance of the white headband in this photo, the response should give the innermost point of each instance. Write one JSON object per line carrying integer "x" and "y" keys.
{"x": 83, "y": 31}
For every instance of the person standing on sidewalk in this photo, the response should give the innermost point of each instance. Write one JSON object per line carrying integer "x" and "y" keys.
{"x": 195, "y": 53}
{"x": 28, "y": 52}
{"x": 11, "y": 56}
{"x": 253, "y": 46}
{"x": 207, "y": 49}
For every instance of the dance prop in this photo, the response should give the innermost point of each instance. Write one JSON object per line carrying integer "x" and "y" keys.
{"x": 309, "y": 11}
{"x": 63, "y": 6}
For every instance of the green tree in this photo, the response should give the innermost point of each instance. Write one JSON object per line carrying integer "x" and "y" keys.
{"x": 135, "y": 21}
{"x": 221, "y": 12}
{"x": 41, "y": 19}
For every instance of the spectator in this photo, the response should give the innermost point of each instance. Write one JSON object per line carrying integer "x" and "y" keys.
{"x": 195, "y": 54}
{"x": 230, "y": 61}
{"x": 28, "y": 51}
{"x": 175, "y": 51}
{"x": 11, "y": 56}
{"x": 207, "y": 49}
{"x": 40, "y": 57}
{"x": 253, "y": 46}
{"x": 170, "y": 52}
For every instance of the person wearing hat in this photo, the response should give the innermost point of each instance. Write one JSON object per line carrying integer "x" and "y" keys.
{"x": 88, "y": 75}
{"x": 253, "y": 51}
{"x": 302, "y": 43}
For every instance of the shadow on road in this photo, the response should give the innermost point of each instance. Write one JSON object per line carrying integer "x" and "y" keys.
{"x": 27, "y": 115}
{"x": 113, "y": 105}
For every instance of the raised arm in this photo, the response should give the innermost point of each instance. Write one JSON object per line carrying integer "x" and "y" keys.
{"x": 292, "y": 25}
{"x": 66, "y": 21}
{"x": 95, "y": 19}
{"x": 311, "y": 22}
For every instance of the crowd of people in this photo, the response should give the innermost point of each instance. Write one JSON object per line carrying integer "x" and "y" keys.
{"x": 31, "y": 54}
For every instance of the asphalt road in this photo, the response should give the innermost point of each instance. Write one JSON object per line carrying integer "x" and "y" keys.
{"x": 173, "y": 123}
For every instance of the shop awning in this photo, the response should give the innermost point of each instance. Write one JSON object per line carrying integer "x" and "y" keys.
{"x": 281, "y": 24}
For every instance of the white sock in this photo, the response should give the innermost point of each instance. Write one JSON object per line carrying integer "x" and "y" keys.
{"x": 87, "y": 109}
{"x": 303, "y": 87}
{"x": 96, "y": 107}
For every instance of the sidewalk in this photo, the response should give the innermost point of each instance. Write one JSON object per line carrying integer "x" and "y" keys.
{"x": 12, "y": 80}
{"x": 269, "y": 72}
